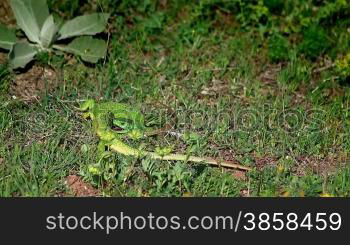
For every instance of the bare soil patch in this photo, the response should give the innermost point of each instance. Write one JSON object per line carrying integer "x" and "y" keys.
{"x": 323, "y": 166}
{"x": 3, "y": 58}
{"x": 79, "y": 188}
{"x": 270, "y": 73}
{"x": 304, "y": 164}
{"x": 29, "y": 86}
{"x": 6, "y": 15}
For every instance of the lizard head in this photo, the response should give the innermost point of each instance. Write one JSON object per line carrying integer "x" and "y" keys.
{"x": 130, "y": 123}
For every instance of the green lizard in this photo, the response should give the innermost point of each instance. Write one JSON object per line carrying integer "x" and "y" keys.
{"x": 130, "y": 122}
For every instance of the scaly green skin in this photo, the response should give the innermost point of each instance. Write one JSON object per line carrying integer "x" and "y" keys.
{"x": 131, "y": 122}
{"x": 128, "y": 120}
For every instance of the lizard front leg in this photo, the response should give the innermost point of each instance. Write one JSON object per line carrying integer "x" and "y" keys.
{"x": 102, "y": 150}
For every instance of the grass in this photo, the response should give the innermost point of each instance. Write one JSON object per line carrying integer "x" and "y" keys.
{"x": 201, "y": 74}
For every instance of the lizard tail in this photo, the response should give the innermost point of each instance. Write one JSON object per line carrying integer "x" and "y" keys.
{"x": 129, "y": 151}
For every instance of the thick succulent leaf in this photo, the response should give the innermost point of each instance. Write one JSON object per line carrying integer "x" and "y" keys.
{"x": 30, "y": 16}
{"x": 7, "y": 37}
{"x": 48, "y": 32}
{"x": 88, "y": 48}
{"x": 40, "y": 11}
{"x": 84, "y": 25}
{"x": 21, "y": 54}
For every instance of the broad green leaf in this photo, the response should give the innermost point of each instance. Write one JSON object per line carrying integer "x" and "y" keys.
{"x": 40, "y": 11}
{"x": 88, "y": 48}
{"x": 21, "y": 54}
{"x": 30, "y": 16}
{"x": 7, "y": 38}
{"x": 48, "y": 32}
{"x": 84, "y": 25}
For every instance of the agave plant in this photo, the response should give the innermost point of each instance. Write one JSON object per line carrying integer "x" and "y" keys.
{"x": 42, "y": 33}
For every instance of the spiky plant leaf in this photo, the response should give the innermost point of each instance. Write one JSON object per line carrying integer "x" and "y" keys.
{"x": 7, "y": 37}
{"x": 88, "y": 48}
{"x": 84, "y": 25}
{"x": 48, "y": 32}
{"x": 21, "y": 54}
{"x": 30, "y": 16}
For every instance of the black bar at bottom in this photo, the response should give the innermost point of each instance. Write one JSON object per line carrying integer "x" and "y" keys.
{"x": 161, "y": 220}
